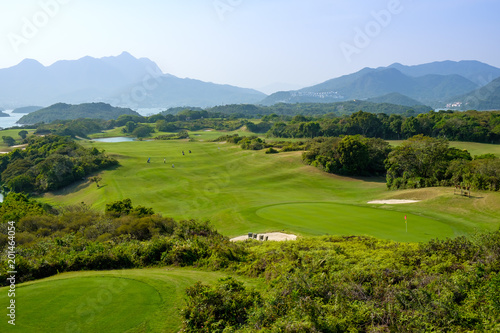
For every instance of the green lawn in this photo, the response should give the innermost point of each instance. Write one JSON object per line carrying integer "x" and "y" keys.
{"x": 348, "y": 220}
{"x": 138, "y": 300}
{"x": 230, "y": 187}
{"x": 473, "y": 148}
{"x": 13, "y": 133}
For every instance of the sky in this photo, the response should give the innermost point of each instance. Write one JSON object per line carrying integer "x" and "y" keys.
{"x": 262, "y": 44}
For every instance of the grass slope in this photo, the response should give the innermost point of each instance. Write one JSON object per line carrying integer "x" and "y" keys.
{"x": 138, "y": 300}
{"x": 233, "y": 187}
{"x": 474, "y": 148}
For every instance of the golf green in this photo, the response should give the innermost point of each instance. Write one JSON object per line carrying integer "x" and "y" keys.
{"x": 85, "y": 304}
{"x": 343, "y": 219}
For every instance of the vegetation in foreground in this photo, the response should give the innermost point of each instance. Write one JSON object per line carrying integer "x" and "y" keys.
{"x": 319, "y": 284}
{"x": 78, "y": 238}
{"x": 356, "y": 284}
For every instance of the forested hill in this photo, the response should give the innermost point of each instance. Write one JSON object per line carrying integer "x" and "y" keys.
{"x": 484, "y": 98}
{"x": 310, "y": 109}
{"x": 62, "y": 111}
{"x": 395, "y": 98}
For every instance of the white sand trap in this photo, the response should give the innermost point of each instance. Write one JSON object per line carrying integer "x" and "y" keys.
{"x": 272, "y": 236}
{"x": 392, "y": 201}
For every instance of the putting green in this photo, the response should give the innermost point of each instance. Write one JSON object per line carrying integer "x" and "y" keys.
{"x": 85, "y": 304}
{"x": 341, "y": 219}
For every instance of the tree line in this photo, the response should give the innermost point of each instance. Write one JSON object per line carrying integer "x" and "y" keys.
{"x": 470, "y": 126}
{"x": 418, "y": 162}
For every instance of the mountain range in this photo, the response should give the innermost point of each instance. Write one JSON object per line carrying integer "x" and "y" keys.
{"x": 126, "y": 81}
{"x": 434, "y": 84}
{"x": 121, "y": 81}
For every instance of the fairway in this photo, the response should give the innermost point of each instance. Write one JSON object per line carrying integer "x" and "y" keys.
{"x": 338, "y": 219}
{"x": 137, "y": 300}
{"x": 229, "y": 186}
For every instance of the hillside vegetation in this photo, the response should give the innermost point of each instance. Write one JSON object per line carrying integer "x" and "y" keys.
{"x": 62, "y": 111}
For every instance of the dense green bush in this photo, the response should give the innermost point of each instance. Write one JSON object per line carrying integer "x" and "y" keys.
{"x": 220, "y": 308}
{"x": 361, "y": 284}
{"x": 49, "y": 163}
{"x": 82, "y": 239}
{"x": 350, "y": 155}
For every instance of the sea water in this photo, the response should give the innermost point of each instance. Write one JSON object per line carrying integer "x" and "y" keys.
{"x": 10, "y": 121}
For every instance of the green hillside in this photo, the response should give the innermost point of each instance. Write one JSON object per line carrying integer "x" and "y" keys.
{"x": 62, "y": 111}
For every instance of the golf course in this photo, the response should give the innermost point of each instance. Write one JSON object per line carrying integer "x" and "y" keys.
{"x": 238, "y": 191}
{"x": 241, "y": 191}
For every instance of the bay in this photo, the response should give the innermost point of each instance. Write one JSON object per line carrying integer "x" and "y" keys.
{"x": 6, "y": 122}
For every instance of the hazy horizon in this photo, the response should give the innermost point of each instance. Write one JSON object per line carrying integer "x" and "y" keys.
{"x": 262, "y": 45}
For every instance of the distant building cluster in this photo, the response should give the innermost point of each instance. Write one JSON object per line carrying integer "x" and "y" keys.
{"x": 454, "y": 105}
{"x": 323, "y": 94}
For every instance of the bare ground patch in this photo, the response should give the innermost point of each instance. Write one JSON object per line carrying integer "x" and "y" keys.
{"x": 392, "y": 201}
{"x": 272, "y": 236}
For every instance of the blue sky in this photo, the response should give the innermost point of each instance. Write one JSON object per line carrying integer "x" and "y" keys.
{"x": 253, "y": 43}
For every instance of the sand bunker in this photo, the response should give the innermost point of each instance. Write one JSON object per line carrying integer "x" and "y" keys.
{"x": 392, "y": 201}
{"x": 272, "y": 236}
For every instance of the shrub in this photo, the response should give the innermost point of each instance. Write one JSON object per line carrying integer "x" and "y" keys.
{"x": 271, "y": 150}
{"x": 218, "y": 308}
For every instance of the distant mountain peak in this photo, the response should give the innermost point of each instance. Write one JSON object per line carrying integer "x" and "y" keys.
{"x": 126, "y": 54}
{"x": 121, "y": 80}
{"x": 30, "y": 63}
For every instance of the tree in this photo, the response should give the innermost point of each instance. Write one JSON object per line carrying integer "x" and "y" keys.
{"x": 23, "y": 134}
{"x": 410, "y": 127}
{"x": 130, "y": 126}
{"x": 310, "y": 129}
{"x": 142, "y": 131}
{"x": 119, "y": 208}
{"x": 395, "y": 124}
{"x": 96, "y": 180}
{"x": 420, "y": 161}
{"x": 8, "y": 140}
{"x": 353, "y": 155}
{"x": 366, "y": 124}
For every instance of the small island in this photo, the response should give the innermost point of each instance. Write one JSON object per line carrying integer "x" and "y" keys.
{"x": 27, "y": 109}
{"x": 62, "y": 111}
